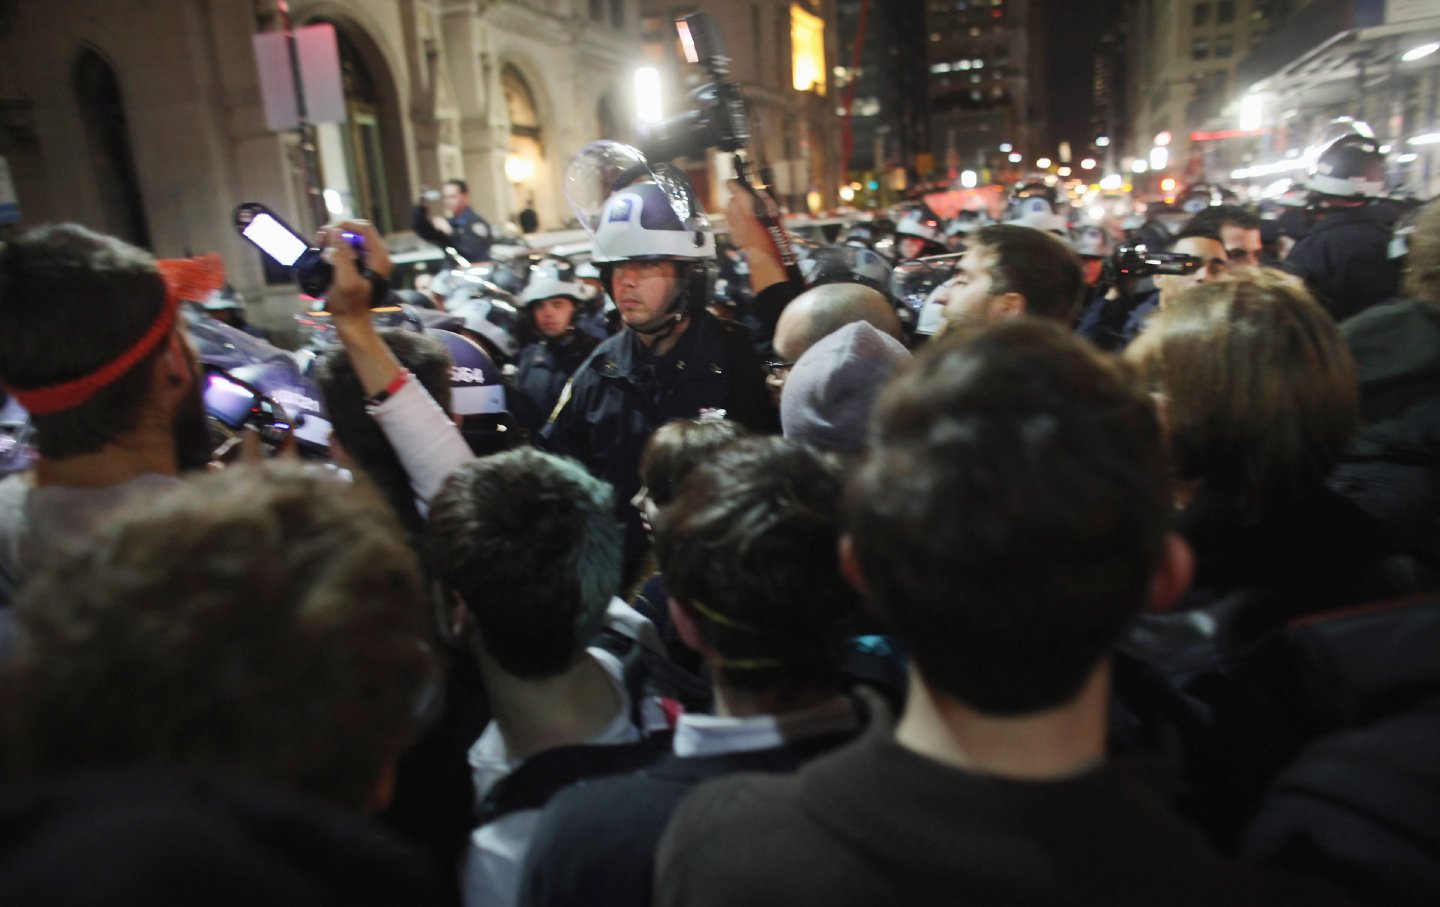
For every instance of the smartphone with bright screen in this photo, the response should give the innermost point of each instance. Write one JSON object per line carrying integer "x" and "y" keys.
{"x": 274, "y": 239}
{"x": 228, "y": 401}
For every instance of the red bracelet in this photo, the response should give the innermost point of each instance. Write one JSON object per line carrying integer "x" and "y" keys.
{"x": 390, "y": 390}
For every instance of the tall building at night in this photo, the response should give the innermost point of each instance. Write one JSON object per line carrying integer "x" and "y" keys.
{"x": 1182, "y": 58}
{"x": 889, "y": 115}
{"x": 987, "y": 82}
{"x": 1108, "y": 115}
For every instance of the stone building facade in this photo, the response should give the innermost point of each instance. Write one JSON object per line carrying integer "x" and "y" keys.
{"x": 145, "y": 119}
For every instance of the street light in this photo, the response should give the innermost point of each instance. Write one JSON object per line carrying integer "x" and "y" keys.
{"x": 1252, "y": 112}
{"x": 1159, "y": 158}
{"x": 1006, "y": 148}
{"x": 1138, "y": 165}
{"x": 1162, "y": 138}
{"x": 1088, "y": 164}
{"x": 968, "y": 179}
{"x": 1102, "y": 142}
{"x": 1415, "y": 53}
{"x": 518, "y": 169}
{"x": 1063, "y": 171}
{"x": 1015, "y": 158}
{"x": 647, "y": 94}
{"x": 1043, "y": 163}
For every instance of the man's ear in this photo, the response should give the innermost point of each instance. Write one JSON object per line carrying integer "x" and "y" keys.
{"x": 1007, "y": 305}
{"x": 685, "y": 626}
{"x": 178, "y": 361}
{"x": 850, "y": 566}
{"x": 1172, "y": 576}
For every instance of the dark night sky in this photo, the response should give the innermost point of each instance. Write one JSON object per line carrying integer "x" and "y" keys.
{"x": 1072, "y": 34}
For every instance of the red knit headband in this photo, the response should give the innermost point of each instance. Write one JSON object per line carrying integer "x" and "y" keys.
{"x": 185, "y": 278}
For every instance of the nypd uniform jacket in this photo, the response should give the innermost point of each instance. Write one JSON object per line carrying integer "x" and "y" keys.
{"x": 622, "y": 393}
{"x": 469, "y": 233}
{"x": 541, "y": 373}
{"x": 1345, "y": 262}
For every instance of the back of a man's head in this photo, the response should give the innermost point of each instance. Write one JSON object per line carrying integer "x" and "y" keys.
{"x": 1214, "y": 217}
{"x": 1037, "y": 265}
{"x": 359, "y": 434}
{"x": 528, "y": 541}
{"x": 71, "y": 302}
{"x": 823, "y": 310}
{"x": 1011, "y": 513}
{"x": 748, "y": 547}
{"x": 266, "y": 620}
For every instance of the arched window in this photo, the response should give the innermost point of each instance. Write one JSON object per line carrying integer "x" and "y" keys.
{"x": 527, "y": 146}
{"x": 353, "y": 154}
{"x": 107, "y": 137}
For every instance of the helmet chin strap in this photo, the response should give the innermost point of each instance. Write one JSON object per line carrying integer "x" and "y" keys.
{"x": 666, "y": 327}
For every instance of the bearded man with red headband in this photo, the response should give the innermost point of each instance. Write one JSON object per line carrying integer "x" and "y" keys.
{"x": 91, "y": 345}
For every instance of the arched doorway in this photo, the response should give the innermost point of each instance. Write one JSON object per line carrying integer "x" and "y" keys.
{"x": 358, "y": 157}
{"x": 107, "y": 139}
{"x": 525, "y": 156}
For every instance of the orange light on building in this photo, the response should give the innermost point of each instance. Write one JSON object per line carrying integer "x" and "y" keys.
{"x": 807, "y": 41}
{"x": 1167, "y": 185}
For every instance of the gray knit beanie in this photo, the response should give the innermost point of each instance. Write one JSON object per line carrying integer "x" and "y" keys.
{"x": 829, "y": 393}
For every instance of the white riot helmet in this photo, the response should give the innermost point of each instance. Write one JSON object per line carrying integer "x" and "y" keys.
{"x": 547, "y": 282}
{"x": 1038, "y": 213}
{"x": 634, "y": 212}
{"x": 640, "y": 222}
{"x": 925, "y": 227}
{"x": 1349, "y": 165}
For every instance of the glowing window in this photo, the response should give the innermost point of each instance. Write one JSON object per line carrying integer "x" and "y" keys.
{"x": 807, "y": 40}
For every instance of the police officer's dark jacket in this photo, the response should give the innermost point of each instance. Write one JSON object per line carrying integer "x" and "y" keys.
{"x": 541, "y": 373}
{"x": 1345, "y": 262}
{"x": 469, "y": 233}
{"x": 623, "y": 392}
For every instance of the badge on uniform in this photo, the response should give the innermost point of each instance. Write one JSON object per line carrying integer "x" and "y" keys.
{"x": 479, "y": 228}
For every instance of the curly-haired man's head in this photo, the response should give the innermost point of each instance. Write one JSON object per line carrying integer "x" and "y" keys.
{"x": 265, "y": 620}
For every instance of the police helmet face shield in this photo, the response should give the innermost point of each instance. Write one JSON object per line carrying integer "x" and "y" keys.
{"x": 913, "y": 281}
{"x": 842, "y": 264}
{"x": 595, "y": 173}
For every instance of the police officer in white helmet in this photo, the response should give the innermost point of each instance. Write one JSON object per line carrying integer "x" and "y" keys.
{"x": 672, "y": 360}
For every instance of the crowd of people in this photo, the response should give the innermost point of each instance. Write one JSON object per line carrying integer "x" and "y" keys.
{"x": 1098, "y": 589}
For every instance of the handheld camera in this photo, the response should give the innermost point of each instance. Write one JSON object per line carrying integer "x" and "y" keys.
{"x": 720, "y": 119}
{"x": 280, "y": 241}
{"x": 1135, "y": 260}
{"x": 232, "y": 405}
